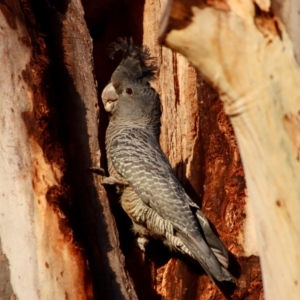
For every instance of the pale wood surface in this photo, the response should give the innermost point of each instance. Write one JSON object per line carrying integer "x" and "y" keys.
{"x": 249, "y": 58}
{"x": 49, "y": 140}
{"x": 40, "y": 257}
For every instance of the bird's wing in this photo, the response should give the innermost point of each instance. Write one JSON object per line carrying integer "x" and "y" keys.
{"x": 137, "y": 156}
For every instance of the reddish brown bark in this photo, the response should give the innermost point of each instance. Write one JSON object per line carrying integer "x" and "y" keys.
{"x": 77, "y": 244}
{"x": 196, "y": 136}
{"x": 199, "y": 141}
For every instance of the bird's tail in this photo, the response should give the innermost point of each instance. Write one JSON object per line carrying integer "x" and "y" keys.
{"x": 206, "y": 257}
{"x": 212, "y": 240}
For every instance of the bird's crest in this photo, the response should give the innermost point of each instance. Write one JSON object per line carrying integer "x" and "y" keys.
{"x": 134, "y": 55}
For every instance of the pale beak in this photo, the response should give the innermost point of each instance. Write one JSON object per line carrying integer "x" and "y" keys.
{"x": 109, "y": 97}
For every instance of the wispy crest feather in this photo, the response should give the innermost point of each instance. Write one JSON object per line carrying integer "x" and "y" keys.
{"x": 133, "y": 53}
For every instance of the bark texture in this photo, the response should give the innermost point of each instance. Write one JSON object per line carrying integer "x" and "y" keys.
{"x": 62, "y": 235}
{"x": 200, "y": 143}
{"x": 37, "y": 242}
{"x": 58, "y": 241}
{"x": 258, "y": 82}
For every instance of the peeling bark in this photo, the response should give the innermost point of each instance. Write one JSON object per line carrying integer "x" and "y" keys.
{"x": 30, "y": 231}
{"x": 58, "y": 232}
{"x": 200, "y": 144}
{"x": 245, "y": 52}
{"x": 60, "y": 241}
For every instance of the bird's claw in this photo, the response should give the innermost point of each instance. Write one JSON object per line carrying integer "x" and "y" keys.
{"x": 108, "y": 180}
{"x": 97, "y": 170}
{"x": 142, "y": 243}
{"x": 111, "y": 180}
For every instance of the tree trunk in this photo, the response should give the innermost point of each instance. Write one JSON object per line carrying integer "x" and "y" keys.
{"x": 62, "y": 234}
{"x": 245, "y": 51}
{"x": 58, "y": 236}
{"x": 200, "y": 144}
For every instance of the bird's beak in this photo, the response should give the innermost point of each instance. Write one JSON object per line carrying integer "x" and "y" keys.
{"x": 109, "y": 97}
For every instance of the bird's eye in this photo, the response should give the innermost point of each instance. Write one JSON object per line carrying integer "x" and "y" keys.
{"x": 129, "y": 91}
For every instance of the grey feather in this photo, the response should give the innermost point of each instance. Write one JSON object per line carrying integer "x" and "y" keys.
{"x": 154, "y": 198}
{"x": 137, "y": 63}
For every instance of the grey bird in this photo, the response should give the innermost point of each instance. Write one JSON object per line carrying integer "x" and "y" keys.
{"x": 151, "y": 194}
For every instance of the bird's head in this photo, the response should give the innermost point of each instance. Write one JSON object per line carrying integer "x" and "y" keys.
{"x": 134, "y": 102}
{"x": 137, "y": 62}
{"x": 129, "y": 94}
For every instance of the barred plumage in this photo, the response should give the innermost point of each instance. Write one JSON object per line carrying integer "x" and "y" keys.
{"x": 151, "y": 194}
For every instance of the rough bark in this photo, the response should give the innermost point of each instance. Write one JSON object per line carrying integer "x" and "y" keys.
{"x": 199, "y": 141}
{"x": 58, "y": 236}
{"x": 34, "y": 235}
{"x": 58, "y": 241}
{"x": 244, "y": 50}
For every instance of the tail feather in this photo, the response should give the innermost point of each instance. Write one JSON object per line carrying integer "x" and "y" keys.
{"x": 219, "y": 255}
{"x": 212, "y": 240}
{"x": 205, "y": 257}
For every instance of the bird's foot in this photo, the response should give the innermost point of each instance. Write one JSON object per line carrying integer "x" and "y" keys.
{"x": 109, "y": 180}
{"x": 97, "y": 170}
{"x": 142, "y": 243}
